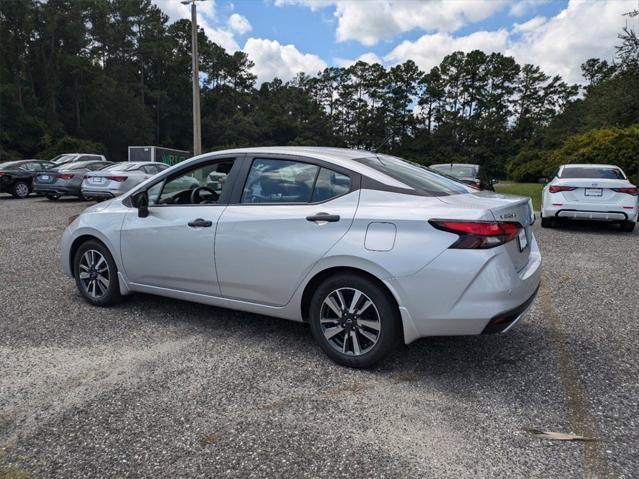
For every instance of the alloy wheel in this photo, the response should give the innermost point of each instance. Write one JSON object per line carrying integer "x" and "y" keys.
{"x": 94, "y": 273}
{"x": 22, "y": 190}
{"x": 350, "y": 321}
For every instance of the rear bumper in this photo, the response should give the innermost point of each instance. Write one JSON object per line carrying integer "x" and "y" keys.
{"x": 462, "y": 291}
{"x": 98, "y": 194}
{"x": 592, "y": 211}
{"x": 61, "y": 190}
{"x": 503, "y": 322}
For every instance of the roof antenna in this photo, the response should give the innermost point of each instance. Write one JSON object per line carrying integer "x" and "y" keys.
{"x": 386, "y": 140}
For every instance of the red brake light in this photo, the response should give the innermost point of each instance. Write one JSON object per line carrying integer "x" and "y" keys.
{"x": 557, "y": 189}
{"x": 631, "y": 191}
{"x": 66, "y": 176}
{"x": 119, "y": 179}
{"x": 478, "y": 234}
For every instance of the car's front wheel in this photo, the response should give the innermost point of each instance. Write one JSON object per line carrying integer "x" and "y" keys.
{"x": 21, "y": 189}
{"x": 53, "y": 196}
{"x": 354, "y": 320}
{"x": 96, "y": 274}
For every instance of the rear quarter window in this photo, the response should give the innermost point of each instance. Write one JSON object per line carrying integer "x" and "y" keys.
{"x": 415, "y": 176}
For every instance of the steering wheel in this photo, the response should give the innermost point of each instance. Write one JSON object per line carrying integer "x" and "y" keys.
{"x": 196, "y": 199}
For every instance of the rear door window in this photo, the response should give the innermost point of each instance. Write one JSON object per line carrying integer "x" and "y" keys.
{"x": 330, "y": 184}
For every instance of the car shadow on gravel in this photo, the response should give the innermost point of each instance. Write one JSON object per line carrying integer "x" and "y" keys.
{"x": 595, "y": 227}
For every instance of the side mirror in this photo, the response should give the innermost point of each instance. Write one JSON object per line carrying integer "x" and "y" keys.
{"x": 142, "y": 203}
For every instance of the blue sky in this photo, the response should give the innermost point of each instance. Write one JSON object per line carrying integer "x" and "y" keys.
{"x": 284, "y": 37}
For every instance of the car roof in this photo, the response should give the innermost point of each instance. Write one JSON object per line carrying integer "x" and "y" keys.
{"x": 455, "y": 164}
{"x": 589, "y": 165}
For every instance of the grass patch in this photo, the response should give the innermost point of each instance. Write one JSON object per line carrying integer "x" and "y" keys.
{"x": 13, "y": 472}
{"x": 532, "y": 190}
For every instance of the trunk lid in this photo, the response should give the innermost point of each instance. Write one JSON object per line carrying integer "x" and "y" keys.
{"x": 506, "y": 208}
{"x": 593, "y": 190}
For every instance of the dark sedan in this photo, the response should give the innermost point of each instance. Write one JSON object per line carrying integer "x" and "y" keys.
{"x": 16, "y": 176}
{"x": 66, "y": 179}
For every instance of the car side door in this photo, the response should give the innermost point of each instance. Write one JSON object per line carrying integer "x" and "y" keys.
{"x": 286, "y": 213}
{"x": 173, "y": 247}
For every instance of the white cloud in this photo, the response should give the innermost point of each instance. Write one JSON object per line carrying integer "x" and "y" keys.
{"x": 368, "y": 22}
{"x": 559, "y": 45}
{"x": 521, "y": 7}
{"x": 222, "y": 37}
{"x": 239, "y": 24}
{"x": 562, "y": 43}
{"x": 206, "y": 19}
{"x": 273, "y": 59}
{"x": 368, "y": 57}
{"x": 429, "y": 50}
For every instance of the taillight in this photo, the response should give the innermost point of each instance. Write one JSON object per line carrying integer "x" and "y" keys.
{"x": 557, "y": 189}
{"x": 478, "y": 234}
{"x": 119, "y": 179}
{"x": 630, "y": 191}
{"x": 66, "y": 176}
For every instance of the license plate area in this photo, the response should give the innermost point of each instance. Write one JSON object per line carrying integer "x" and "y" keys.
{"x": 96, "y": 180}
{"x": 522, "y": 240}
{"x": 593, "y": 192}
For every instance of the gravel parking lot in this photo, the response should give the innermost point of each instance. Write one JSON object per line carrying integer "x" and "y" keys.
{"x": 164, "y": 388}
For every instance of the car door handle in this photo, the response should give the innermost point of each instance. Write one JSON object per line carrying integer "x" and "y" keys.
{"x": 200, "y": 223}
{"x": 323, "y": 217}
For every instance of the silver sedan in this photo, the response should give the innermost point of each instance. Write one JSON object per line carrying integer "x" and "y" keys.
{"x": 119, "y": 178}
{"x": 369, "y": 249}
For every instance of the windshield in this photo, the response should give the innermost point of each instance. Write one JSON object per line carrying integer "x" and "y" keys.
{"x": 592, "y": 172}
{"x": 63, "y": 159}
{"x": 416, "y": 176}
{"x": 11, "y": 164}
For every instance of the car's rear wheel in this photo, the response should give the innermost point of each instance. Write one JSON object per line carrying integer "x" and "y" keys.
{"x": 96, "y": 274}
{"x": 628, "y": 226}
{"x": 53, "y": 197}
{"x": 21, "y": 189}
{"x": 354, "y": 320}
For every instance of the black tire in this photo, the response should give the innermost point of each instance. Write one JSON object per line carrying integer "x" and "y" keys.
{"x": 547, "y": 222}
{"x": 53, "y": 197}
{"x": 82, "y": 197}
{"x": 21, "y": 189}
{"x": 108, "y": 294}
{"x": 385, "y": 309}
{"x": 628, "y": 226}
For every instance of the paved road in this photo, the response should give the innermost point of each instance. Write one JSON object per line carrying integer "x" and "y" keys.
{"x": 163, "y": 388}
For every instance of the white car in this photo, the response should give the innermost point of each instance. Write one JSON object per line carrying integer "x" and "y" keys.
{"x": 367, "y": 248}
{"x": 590, "y": 192}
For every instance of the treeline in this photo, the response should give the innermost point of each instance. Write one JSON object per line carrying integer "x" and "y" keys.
{"x": 101, "y": 75}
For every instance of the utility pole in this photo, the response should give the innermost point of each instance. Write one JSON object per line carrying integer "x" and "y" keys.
{"x": 197, "y": 124}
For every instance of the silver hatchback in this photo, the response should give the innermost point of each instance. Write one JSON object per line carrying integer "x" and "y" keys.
{"x": 369, "y": 249}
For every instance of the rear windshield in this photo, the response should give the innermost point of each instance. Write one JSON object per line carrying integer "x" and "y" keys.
{"x": 418, "y": 177}
{"x": 73, "y": 166}
{"x": 123, "y": 166}
{"x": 592, "y": 172}
{"x": 64, "y": 159}
{"x": 458, "y": 171}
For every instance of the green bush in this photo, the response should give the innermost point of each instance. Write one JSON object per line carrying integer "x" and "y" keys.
{"x": 614, "y": 146}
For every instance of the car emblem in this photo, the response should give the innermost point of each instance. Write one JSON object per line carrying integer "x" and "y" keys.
{"x": 508, "y": 216}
